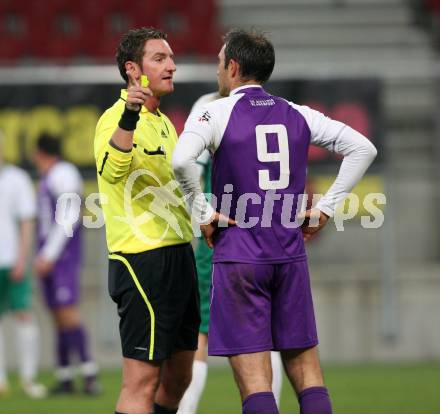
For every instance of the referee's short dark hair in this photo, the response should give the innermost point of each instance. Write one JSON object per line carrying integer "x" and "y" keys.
{"x": 132, "y": 46}
{"x": 49, "y": 144}
{"x": 252, "y": 51}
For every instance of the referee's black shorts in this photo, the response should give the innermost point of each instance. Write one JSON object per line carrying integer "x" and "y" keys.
{"x": 158, "y": 301}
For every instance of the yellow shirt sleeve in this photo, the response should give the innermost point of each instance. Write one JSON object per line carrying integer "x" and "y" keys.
{"x": 112, "y": 164}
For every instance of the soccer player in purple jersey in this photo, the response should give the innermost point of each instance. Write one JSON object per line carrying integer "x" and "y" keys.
{"x": 261, "y": 298}
{"x": 58, "y": 262}
{"x": 203, "y": 255}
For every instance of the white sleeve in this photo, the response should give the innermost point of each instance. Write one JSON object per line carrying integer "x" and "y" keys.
{"x": 202, "y": 162}
{"x": 196, "y": 110}
{"x": 341, "y": 139}
{"x": 66, "y": 179}
{"x": 26, "y": 203}
{"x": 198, "y": 136}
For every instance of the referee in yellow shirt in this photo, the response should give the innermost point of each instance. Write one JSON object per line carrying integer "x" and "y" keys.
{"x": 152, "y": 275}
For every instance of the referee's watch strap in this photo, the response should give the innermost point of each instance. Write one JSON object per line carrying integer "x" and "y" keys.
{"x": 129, "y": 119}
{"x": 158, "y": 409}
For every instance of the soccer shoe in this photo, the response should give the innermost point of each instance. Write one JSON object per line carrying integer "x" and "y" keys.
{"x": 34, "y": 390}
{"x": 63, "y": 388}
{"x": 92, "y": 387}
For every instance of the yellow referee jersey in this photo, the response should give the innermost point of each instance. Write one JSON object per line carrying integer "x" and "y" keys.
{"x": 143, "y": 206}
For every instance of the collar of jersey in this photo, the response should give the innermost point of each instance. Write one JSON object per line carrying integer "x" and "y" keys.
{"x": 143, "y": 109}
{"x": 240, "y": 88}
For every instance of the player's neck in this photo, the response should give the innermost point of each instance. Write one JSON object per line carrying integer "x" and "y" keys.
{"x": 152, "y": 104}
{"x": 239, "y": 83}
{"x": 49, "y": 164}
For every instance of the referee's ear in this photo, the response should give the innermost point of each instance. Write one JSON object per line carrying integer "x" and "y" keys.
{"x": 134, "y": 69}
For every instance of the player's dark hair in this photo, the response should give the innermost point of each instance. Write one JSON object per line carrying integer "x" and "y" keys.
{"x": 49, "y": 144}
{"x": 132, "y": 46}
{"x": 252, "y": 51}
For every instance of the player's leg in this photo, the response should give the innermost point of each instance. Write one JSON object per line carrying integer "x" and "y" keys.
{"x": 277, "y": 375}
{"x": 4, "y": 387}
{"x": 4, "y": 305}
{"x": 240, "y": 327}
{"x": 64, "y": 371}
{"x": 73, "y": 342}
{"x": 62, "y": 296}
{"x": 304, "y": 372}
{"x": 294, "y": 333}
{"x": 27, "y": 337}
{"x": 27, "y": 351}
{"x": 252, "y": 373}
{"x": 191, "y": 398}
{"x": 178, "y": 369}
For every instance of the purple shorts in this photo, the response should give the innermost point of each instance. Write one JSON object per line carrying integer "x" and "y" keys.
{"x": 260, "y": 307}
{"x": 61, "y": 287}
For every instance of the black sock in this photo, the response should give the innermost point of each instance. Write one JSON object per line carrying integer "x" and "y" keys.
{"x": 162, "y": 410}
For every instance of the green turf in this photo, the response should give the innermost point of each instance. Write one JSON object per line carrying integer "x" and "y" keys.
{"x": 355, "y": 389}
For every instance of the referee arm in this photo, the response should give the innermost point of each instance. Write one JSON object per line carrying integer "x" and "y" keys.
{"x": 114, "y": 155}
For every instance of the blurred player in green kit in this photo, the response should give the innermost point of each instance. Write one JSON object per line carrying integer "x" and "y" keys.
{"x": 203, "y": 255}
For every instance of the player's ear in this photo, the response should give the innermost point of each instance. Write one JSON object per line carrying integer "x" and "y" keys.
{"x": 233, "y": 68}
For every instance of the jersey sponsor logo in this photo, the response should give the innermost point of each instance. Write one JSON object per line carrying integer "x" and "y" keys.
{"x": 206, "y": 117}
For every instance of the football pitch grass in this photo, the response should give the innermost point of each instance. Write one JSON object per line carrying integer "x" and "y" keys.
{"x": 355, "y": 389}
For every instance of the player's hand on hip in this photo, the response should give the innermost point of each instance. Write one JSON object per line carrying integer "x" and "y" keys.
{"x": 314, "y": 221}
{"x": 136, "y": 94}
{"x": 17, "y": 273}
{"x": 209, "y": 230}
{"x": 42, "y": 267}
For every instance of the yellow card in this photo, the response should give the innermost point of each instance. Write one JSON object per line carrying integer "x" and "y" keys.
{"x": 144, "y": 81}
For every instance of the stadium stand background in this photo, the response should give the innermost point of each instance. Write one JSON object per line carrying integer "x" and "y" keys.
{"x": 376, "y": 291}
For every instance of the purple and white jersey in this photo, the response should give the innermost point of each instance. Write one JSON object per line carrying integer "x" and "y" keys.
{"x": 53, "y": 239}
{"x": 260, "y": 145}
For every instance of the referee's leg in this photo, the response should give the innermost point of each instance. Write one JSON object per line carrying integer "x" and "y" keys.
{"x": 140, "y": 381}
{"x": 175, "y": 379}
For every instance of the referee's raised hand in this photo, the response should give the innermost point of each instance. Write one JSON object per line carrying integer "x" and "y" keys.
{"x": 136, "y": 94}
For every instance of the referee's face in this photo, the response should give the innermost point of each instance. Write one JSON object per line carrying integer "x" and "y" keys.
{"x": 158, "y": 65}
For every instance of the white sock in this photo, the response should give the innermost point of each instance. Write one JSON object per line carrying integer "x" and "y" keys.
{"x": 27, "y": 337}
{"x": 277, "y": 375}
{"x": 65, "y": 373}
{"x": 89, "y": 369}
{"x": 3, "y": 374}
{"x": 191, "y": 398}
